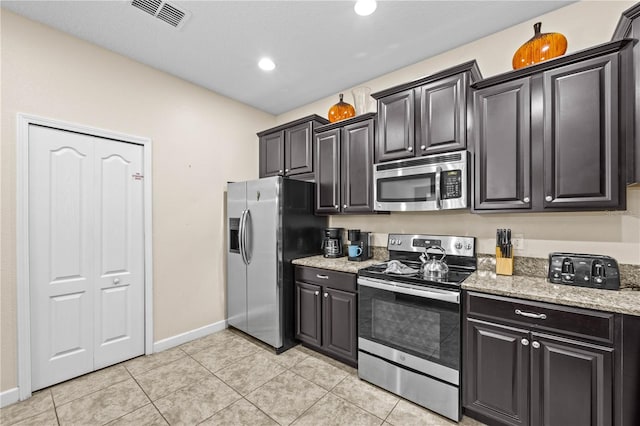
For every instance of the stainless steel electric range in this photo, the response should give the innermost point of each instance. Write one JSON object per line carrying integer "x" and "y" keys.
{"x": 409, "y": 326}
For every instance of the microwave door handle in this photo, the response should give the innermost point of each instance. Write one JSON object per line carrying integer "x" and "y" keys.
{"x": 437, "y": 189}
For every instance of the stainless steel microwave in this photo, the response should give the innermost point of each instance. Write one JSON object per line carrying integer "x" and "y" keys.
{"x": 432, "y": 182}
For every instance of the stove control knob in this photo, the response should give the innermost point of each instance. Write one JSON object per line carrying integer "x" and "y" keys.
{"x": 458, "y": 245}
{"x": 399, "y": 242}
{"x": 392, "y": 241}
{"x": 469, "y": 247}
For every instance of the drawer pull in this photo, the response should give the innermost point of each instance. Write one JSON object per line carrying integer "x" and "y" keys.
{"x": 322, "y": 277}
{"x": 531, "y": 315}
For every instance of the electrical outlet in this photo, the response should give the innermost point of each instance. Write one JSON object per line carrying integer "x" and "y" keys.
{"x": 517, "y": 240}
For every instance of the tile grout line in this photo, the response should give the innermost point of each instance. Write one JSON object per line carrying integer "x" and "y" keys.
{"x": 55, "y": 409}
{"x": 90, "y": 393}
{"x": 32, "y": 415}
{"x": 148, "y": 397}
{"x": 391, "y": 411}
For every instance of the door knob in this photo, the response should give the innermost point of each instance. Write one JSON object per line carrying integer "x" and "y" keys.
{"x": 548, "y": 198}
{"x": 535, "y": 345}
{"x": 423, "y": 147}
{"x": 286, "y": 170}
{"x": 525, "y": 199}
{"x": 344, "y": 206}
{"x": 410, "y": 149}
{"x": 336, "y": 206}
{"x": 326, "y": 295}
{"x": 524, "y": 342}
{"x": 316, "y": 293}
{"x": 116, "y": 281}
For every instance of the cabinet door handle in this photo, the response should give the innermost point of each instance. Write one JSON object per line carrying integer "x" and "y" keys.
{"x": 525, "y": 199}
{"x": 286, "y": 170}
{"x": 344, "y": 206}
{"x": 524, "y": 342}
{"x": 116, "y": 281}
{"x": 326, "y": 295}
{"x": 548, "y": 198}
{"x": 530, "y": 314}
{"x": 535, "y": 345}
{"x": 410, "y": 149}
{"x": 336, "y": 207}
{"x": 322, "y": 277}
{"x": 279, "y": 171}
{"x": 423, "y": 147}
{"x": 316, "y": 292}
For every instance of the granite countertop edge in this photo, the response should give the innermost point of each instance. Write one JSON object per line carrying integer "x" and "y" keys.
{"x": 340, "y": 264}
{"x": 625, "y": 301}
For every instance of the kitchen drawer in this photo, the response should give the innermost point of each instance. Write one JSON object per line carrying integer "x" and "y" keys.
{"x": 565, "y": 320}
{"x": 327, "y": 278}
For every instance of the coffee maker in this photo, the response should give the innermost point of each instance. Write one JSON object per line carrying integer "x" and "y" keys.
{"x": 359, "y": 245}
{"x": 332, "y": 242}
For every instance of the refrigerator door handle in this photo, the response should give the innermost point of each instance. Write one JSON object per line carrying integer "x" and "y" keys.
{"x": 241, "y": 238}
{"x": 246, "y": 235}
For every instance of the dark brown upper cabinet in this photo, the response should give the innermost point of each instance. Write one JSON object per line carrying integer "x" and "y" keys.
{"x": 629, "y": 26}
{"x": 344, "y": 166}
{"x": 502, "y": 135}
{"x": 426, "y": 116}
{"x": 287, "y": 150}
{"x": 552, "y": 136}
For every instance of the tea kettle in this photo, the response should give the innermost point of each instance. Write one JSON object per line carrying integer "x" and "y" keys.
{"x": 432, "y": 268}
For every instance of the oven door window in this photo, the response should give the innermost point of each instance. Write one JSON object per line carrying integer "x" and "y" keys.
{"x": 426, "y": 328}
{"x": 407, "y": 189}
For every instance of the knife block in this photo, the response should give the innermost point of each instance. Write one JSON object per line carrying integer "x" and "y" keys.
{"x": 504, "y": 265}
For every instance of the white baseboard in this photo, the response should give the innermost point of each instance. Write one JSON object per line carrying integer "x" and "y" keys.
{"x": 188, "y": 336}
{"x": 9, "y": 397}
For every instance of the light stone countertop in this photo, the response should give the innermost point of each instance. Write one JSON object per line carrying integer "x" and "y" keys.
{"x": 625, "y": 301}
{"x": 342, "y": 264}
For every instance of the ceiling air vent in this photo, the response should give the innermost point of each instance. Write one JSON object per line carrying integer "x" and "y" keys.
{"x": 169, "y": 13}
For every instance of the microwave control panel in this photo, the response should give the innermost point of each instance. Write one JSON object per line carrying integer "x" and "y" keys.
{"x": 451, "y": 184}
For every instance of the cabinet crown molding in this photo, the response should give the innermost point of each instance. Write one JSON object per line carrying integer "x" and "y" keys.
{"x": 601, "y": 49}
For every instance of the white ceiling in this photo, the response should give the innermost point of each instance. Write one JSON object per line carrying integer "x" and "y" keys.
{"x": 320, "y": 47}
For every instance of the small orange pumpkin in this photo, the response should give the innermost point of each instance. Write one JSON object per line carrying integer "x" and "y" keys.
{"x": 539, "y": 48}
{"x": 341, "y": 111}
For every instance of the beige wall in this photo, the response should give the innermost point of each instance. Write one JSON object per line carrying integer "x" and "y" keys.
{"x": 200, "y": 141}
{"x": 615, "y": 233}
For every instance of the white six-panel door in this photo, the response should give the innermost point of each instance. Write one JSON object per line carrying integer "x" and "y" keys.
{"x": 86, "y": 256}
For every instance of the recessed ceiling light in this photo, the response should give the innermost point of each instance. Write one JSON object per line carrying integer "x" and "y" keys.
{"x": 266, "y": 64}
{"x": 365, "y": 7}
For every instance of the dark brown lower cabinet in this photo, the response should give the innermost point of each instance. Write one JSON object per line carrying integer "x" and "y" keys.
{"x": 571, "y": 382}
{"x": 517, "y": 373}
{"x": 497, "y": 366}
{"x": 326, "y": 303}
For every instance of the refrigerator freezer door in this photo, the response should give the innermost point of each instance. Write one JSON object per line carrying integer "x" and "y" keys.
{"x": 236, "y": 268}
{"x": 264, "y": 247}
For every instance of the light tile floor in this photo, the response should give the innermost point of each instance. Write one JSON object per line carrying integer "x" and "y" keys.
{"x": 226, "y": 378}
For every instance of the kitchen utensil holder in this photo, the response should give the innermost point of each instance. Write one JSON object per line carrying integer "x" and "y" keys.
{"x": 504, "y": 265}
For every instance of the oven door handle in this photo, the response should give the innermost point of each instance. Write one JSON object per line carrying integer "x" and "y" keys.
{"x": 424, "y": 292}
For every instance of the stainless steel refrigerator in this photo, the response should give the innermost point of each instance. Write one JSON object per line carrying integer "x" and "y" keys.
{"x": 271, "y": 221}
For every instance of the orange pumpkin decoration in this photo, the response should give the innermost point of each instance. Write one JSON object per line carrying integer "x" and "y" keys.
{"x": 539, "y": 48}
{"x": 340, "y": 111}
